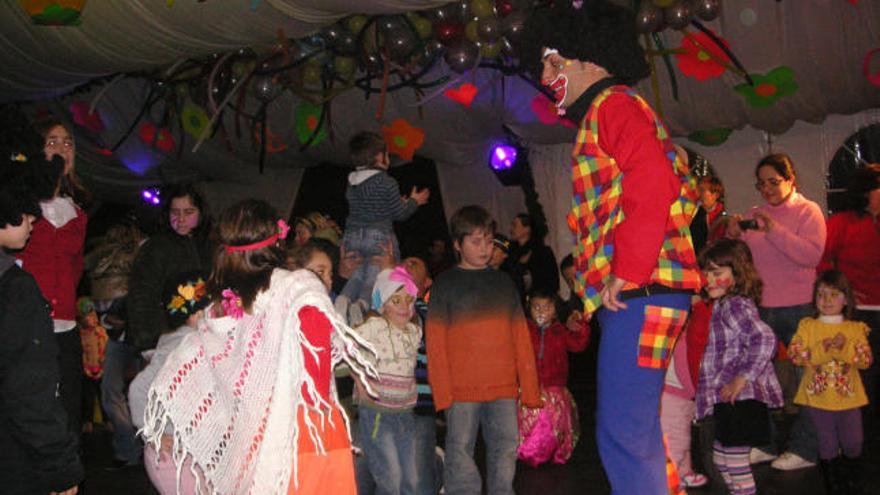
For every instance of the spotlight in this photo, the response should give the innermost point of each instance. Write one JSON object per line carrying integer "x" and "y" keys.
{"x": 508, "y": 159}
{"x": 503, "y": 157}
{"x": 151, "y": 196}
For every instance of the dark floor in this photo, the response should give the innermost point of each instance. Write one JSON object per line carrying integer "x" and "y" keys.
{"x": 582, "y": 475}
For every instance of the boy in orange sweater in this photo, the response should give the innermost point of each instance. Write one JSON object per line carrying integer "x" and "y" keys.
{"x": 480, "y": 358}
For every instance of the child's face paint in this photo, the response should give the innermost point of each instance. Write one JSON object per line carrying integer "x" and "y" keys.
{"x": 543, "y": 311}
{"x": 719, "y": 280}
{"x": 830, "y": 301}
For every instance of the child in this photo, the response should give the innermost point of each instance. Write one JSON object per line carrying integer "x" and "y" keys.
{"x": 737, "y": 384}
{"x": 374, "y": 202}
{"x": 480, "y": 358}
{"x": 833, "y": 347}
{"x": 38, "y": 453}
{"x": 386, "y": 421}
{"x": 250, "y": 393}
{"x": 183, "y": 301}
{"x": 551, "y": 433}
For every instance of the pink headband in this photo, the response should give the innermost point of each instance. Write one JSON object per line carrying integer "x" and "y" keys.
{"x": 283, "y": 229}
{"x": 399, "y": 274}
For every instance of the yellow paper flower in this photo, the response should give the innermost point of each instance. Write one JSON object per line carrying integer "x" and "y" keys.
{"x": 177, "y": 302}
{"x": 187, "y": 291}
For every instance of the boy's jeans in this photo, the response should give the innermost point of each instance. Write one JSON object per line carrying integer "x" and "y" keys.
{"x": 498, "y": 420}
{"x": 428, "y": 474}
{"x": 368, "y": 242}
{"x": 118, "y": 359}
{"x": 387, "y": 440}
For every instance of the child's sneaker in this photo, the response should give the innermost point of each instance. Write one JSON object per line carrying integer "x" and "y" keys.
{"x": 694, "y": 480}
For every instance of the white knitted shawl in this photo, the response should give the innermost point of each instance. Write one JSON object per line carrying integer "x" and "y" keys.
{"x": 232, "y": 390}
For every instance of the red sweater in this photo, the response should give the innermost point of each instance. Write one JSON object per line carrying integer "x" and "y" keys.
{"x": 558, "y": 342}
{"x": 55, "y": 258}
{"x": 853, "y": 247}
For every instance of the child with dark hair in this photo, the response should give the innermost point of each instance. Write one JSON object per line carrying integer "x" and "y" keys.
{"x": 737, "y": 384}
{"x": 374, "y": 202}
{"x": 256, "y": 379}
{"x": 832, "y": 348}
{"x": 551, "y": 432}
{"x": 480, "y": 358}
{"x": 183, "y": 300}
{"x": 38, "y": 452}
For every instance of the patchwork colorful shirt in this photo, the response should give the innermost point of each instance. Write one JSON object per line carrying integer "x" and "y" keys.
{"x": 633, "y": 200}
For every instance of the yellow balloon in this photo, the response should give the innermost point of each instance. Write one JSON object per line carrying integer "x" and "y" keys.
{"x": 490, "y": 50}
{"x": 311, "y": 74}
{"x": 356, "y": 23}
{"x": 664, "y": 3}
{"x": 423, "y": 27}
{"x": 482, "y": 8}
{"x": 470, "y": 31}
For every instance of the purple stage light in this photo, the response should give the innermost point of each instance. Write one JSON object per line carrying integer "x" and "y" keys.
{"x": 151, "y": 196}
{"x": 503, "y": 157}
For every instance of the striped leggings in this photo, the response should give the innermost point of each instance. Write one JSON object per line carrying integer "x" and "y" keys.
{"x": 733, "y": 464}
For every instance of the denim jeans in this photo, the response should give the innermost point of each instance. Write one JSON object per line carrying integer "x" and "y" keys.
{"x": 802, "y": 439}
{"x": 498, "y": 420}
{"x": 118, "y": 359}
{"x": 387, "y": 440}
{"x": 367, "y": 242}
{"x": 429, "y": 478}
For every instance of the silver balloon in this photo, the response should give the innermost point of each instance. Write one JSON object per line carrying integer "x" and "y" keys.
{"x": 489, "y": 29}
{"x": 514, "y": 24}
{"x": 706, "y": 10}
{"x": 332, "y": 35}
{"x": 677, "y": 16}
{"x": 347, "y": 44}
{"x": 462, "y": 56}
{"x": 400, "y": 42}
{"x": 390, "y": 23}
{"x": 446, "y": 12}
{"x": 265, "y": 88}
{"x": 649, "y": 18}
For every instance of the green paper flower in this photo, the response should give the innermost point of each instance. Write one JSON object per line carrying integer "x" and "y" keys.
{"x": 710, "y": 137}
{"x": 56, "y": 15}
{"x": 768, "y": 88}
{"x": 194, "y": 120}
{"x": 306, "y": 118}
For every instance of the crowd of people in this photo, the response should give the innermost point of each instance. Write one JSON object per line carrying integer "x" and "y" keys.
{"x": 249, "y": 356}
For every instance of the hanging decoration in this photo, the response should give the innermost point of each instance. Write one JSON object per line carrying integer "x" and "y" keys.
{"x": 160, "y": 138}
{"x": 403, "y": 139}
{"x": 768, "y": 87}
{"x": 194, "y": 119}
{"x": 309, "y": 125}
{"x": 54, "y": 12}
{"x": 873, "y": 77}
{"x": 711, "y": 137}
{"x": 274, "y": 142}
{"x": 463, "y": 94}
{"x": 700, "y": 57}
{"x": 83, "y": 117}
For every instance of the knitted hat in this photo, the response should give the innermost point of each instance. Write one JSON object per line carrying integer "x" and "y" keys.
{"x": 594, "y": 31}
{"x": 502, "y": 242}
{"x": 184, "y": 296}
{"x": 26, "y": 178}
{"x": 390, "y": 281}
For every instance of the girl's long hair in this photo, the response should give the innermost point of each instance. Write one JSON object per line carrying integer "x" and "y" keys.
{"x": 836, "y": 280}
{"x": 246, "y": 272}
{"x": 70, "y": 184}
{"x": 736, "y": 255}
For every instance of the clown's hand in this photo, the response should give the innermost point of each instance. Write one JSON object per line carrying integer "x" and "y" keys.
{"x": 611, "y": 292}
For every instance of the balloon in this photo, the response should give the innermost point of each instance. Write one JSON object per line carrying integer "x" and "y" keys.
{"x": 344, "y": 66}
{"x": 400, "y": 42}
{"x": 470, "y": 30}
{"x": 181, "y": 90}
{"x": 432, "y": 47}
{"x": 347, "y": 44}
{"x": 311, "y": 74}
{"x": 482, "y": 8}
{"x": 449, "y": 31}
{"x": 372, "y": 62}
{"x": 356, "y": 23}
{"x": 265, "y": 88}
{"x": 462, "y": 56}
{"x": 389, "y": 23}
{"x": 489, "y": 29}
{"x": 649, "y": 18}
{"x": 664, "y": 3}
{"x": 706, "y": 10}
{"x": 422, "y": 26}
{"x": 678, "y": 16}
{"x": 490, "y": 50}
{"x": 447, "y": 12}
{"x": 514, "y": 25}
{"x": 506, "y": 46}
{"x": 503, "y": 7}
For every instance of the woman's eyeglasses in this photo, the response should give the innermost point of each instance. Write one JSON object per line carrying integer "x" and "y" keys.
{"x": 769, "y": 182}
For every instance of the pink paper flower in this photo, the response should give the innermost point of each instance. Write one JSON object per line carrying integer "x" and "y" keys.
{"x": 232, "y": 305}
{"x": 81, "y": 116}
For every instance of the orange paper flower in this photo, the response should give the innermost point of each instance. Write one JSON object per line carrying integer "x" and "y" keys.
{"x": 403, "y": 139}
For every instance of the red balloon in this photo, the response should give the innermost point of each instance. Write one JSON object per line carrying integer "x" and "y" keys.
{"x": 503, "y": 7}
{"x": 449, "y": 31}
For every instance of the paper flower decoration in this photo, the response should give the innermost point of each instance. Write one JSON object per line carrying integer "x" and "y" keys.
{"x": 274, "y": 143}
{"x": 768, "y": 88}
{"x": 545, "y": 110}
{"x": 872, "y": 77}
{"x": 81, "y": 117}
{"x": 104, "y": 151}
{"x": 403, "y": 139}
{"x": 700, "y": 57}
{"x": 194, "y": 120}
{"x": 54, "y": 12}
{"x": 463, "y": 94}
{"x": 160, "y": 138}
{"x": 306, "y": 117}
{"x": 711, "y": 137}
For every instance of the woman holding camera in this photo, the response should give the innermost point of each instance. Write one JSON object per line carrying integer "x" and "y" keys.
{"x": 786, "y": 235}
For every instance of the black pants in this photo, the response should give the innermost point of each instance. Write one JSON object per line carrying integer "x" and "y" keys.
{"x": 71, "y": 368}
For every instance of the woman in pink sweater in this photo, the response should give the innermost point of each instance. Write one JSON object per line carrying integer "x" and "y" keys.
{"x": 787, "y": 237}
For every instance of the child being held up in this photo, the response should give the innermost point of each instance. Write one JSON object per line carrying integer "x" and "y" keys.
{"x": 551, "y": 433}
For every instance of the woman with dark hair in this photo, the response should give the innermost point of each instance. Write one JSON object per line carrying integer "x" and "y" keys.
{"x": 531, "y": 263}
{"x": 786, "y": 236}
{"x": 853, "y": 247}
{"x": 54, "y": 256}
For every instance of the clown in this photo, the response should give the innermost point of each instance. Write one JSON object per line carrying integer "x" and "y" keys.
{"x": 632, "y": 204}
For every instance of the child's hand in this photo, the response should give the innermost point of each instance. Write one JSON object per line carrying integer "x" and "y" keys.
{"x": 574, "y": 321}
{"x": 420, "y": 197}
{"x": 730, "y": 391}
{"x": 838, "y": 341}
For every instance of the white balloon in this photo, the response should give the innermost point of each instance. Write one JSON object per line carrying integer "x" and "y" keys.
{"x": 748, "y": 17}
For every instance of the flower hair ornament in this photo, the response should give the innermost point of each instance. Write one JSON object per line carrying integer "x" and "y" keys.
{"x": 283, "y": 229}
{"x": 232, "y": 304}
{"x": 189, "y": 298}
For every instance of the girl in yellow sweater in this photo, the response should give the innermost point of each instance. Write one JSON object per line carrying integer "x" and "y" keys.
{"x": 832, "y": 348}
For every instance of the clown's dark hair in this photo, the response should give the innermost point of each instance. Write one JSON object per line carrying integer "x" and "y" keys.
{"x": 598, "y": 32}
